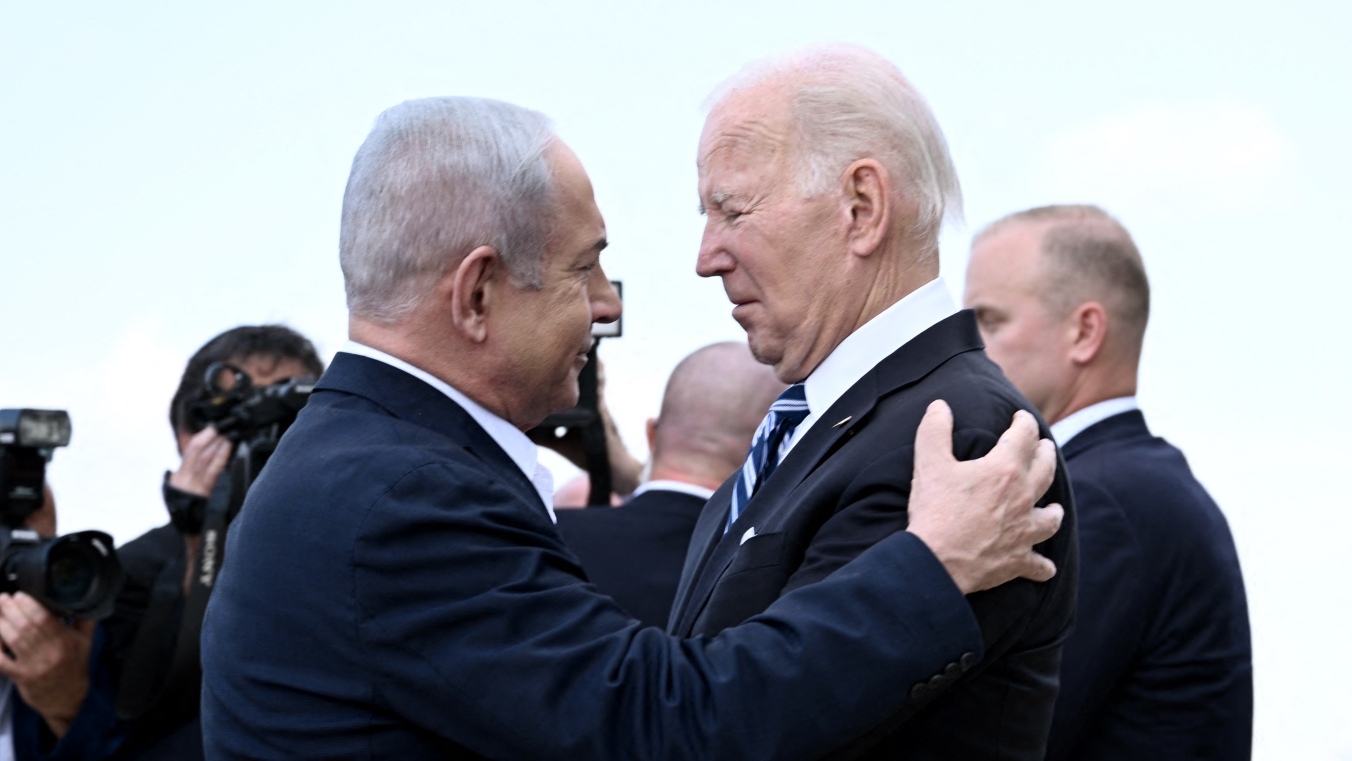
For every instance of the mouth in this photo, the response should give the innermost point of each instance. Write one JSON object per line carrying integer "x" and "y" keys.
{"x": 740, "y": 308}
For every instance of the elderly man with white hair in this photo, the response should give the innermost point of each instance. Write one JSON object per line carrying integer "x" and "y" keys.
{"x": 825, "y": 180}
{"x": 395, "y": 585}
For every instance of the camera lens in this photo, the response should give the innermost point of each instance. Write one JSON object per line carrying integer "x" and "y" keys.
{"x": 72, "y": 569}
{"x": 76, "y": 575}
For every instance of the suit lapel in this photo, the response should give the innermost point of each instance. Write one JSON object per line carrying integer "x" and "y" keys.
{"x": 703, "y": 540}
{"x": 906, "y": 366}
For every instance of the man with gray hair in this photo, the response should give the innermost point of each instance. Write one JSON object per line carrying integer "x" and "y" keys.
{"x": 825, "y": 180}
{"x": 395, "y": 585}
{"x": 1158, "y": 665}
{"x": 714, "y": 400}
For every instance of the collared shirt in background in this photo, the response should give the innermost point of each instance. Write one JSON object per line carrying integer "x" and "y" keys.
{"x": 680, "y": 486}
{"x": 1073, "y": 424}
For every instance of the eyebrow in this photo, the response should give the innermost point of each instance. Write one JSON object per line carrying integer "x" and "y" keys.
{"x": 718, "y": 198}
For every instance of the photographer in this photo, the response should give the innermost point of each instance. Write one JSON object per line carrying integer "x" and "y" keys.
{"x": 154, "y": 630}
{"x": 61, "y": 704}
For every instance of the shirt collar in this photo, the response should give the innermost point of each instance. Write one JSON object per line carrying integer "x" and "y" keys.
{"x": 518, "y": 447}
{"x": 1075, "y": 423}
{"x": 680, "y": 486}
{"x": 870, "y": 344}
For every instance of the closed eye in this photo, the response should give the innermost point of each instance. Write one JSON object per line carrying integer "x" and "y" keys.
{"x": 988, "y": 319}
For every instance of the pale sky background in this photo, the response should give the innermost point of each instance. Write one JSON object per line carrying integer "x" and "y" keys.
{"x": 173, "y": 170}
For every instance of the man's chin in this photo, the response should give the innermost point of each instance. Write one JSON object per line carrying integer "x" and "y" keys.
{"x": 763, "y": 354}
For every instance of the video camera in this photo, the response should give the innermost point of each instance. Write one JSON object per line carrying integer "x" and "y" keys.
{"x": 247, "y": 413}
{"x": 254, "y": 418}
{"x": 75, "y": 576}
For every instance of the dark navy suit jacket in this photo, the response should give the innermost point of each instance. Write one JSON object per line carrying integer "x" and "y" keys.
{"x": 394, "y": 588}
{"x": 843, "y": 488}
{"x": 1158, "y": 665}
{"x": 635, "y": 553}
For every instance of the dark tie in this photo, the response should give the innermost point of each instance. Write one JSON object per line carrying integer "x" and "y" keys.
{"x": 767, "y": 447}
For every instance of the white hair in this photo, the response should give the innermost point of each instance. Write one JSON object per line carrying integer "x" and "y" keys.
{"x": 850, "y": 103}
{"x": 434, "y": 180}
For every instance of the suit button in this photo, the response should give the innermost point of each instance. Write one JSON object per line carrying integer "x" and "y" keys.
{"x": 967, "y": 661}
{"x": 937, "y": 681}
{"x": 919, "y": 690}
{"x": 952, "y": 670}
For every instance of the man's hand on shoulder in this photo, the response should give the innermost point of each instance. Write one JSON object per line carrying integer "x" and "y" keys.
{"x": 46, "y": 658}
{"x": 978, "y": 517}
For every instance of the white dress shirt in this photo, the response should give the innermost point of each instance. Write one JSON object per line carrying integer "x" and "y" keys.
{"x": 873, "y": 342}
{"x": 518, "y": 447}
{"x": 1073, "y": 424}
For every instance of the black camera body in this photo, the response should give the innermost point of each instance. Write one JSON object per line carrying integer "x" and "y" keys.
{"x": 254, "y": 419}
{"x": 75, "y": 576}
{"x": 244, "y": 412}
{"x": 27, "y": 440}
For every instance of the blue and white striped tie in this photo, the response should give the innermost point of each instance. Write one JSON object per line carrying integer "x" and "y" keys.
{"x": 768, "y": 447}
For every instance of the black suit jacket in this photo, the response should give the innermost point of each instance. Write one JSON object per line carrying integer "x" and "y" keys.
{"x": 394, "y": 588}
{"x": 1158, "y": 665}
{"x": 152, "y": 595}
{"x": 635, "y": 553}
{"x": 844, "y": 487}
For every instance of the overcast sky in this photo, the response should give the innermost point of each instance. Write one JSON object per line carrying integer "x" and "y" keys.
{"x": 172, "y": 170}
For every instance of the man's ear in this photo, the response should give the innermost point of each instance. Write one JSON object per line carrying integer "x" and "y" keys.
{"x": 1089, "y": 329}
{"x": 469, "y": 290}
{"x": 867, "y": 188}
{"x": 651, "y": 430}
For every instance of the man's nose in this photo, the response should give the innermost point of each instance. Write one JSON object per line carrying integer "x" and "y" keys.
{"x": 606, "y": 306}
{"x": 713, "y": 258}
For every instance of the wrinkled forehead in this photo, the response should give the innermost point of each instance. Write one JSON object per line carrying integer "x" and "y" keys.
{"x": 747, "y": 126}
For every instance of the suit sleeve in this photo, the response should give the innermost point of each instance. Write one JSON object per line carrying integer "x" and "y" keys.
{"x": 1023, "y": 624}
{"x": 95, "y": 734}
{"x": 873, "y": 507}
{"x": 503, "y": 634}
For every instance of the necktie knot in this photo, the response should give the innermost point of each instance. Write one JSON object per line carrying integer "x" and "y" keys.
{"x": 791, "y": 406}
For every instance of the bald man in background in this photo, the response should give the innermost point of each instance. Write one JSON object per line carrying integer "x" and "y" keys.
{"x": 713, "y": 402}
{"x": 1158, "y": 665}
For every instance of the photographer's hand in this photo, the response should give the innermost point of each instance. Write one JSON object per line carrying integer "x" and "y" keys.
{"x": 46, "y": 658}
{"x": 625, "y": 470}
{"x": 204, "y": 458}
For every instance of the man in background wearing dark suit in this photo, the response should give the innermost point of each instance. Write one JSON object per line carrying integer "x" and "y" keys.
{"x": 713, "y": 402}
{"x": 1158, "y": 665}
{"x": 395, "y": 586}
{"x": 825, "y": 180}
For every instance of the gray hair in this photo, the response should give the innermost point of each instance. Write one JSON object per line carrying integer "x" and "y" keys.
{"x": 434, "y": 180}
{"x": 1087, "y": 255}
{"x": 850, "y": 103}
